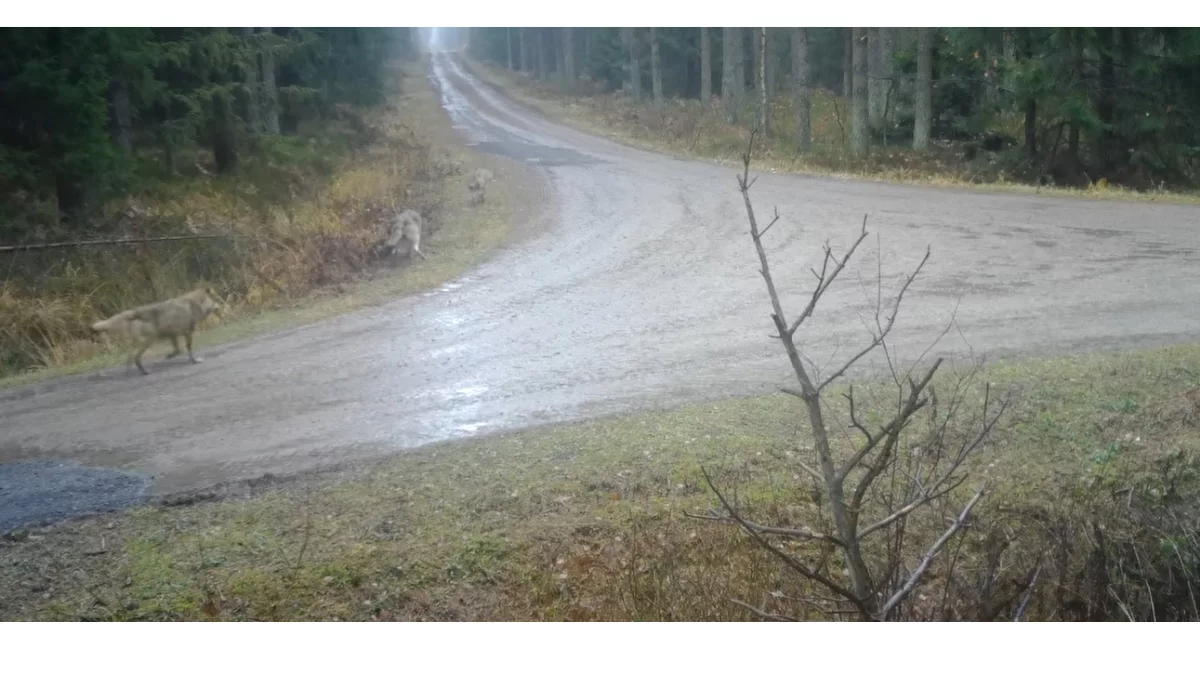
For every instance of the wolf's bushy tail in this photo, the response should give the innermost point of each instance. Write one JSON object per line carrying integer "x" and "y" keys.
{"x": 113, "y": 322}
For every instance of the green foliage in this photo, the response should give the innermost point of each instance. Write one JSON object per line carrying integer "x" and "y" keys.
{"x": 72, "y": 98}
{"x": 1114, "y": 103}
{"x": 52, "y": 106}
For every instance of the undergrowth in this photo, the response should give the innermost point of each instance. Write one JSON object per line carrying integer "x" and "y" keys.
{"x": 695, "y": 129}
{"x": 1091, "y": 515}
{"x": 301, "y": 212}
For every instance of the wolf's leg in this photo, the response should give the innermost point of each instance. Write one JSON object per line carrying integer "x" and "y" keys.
{"x": 137, "y": 355}
{"x": 175, "y": 343}
{"x": 188, "y": 340}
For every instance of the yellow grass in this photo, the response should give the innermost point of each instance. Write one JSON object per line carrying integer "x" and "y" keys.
{"x": 297, "y": 259}
{"x": 587, "y": 521}
{"x": 694, "y": 130}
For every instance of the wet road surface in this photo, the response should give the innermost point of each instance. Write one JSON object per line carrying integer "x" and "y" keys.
{"x": 641, "y": 289}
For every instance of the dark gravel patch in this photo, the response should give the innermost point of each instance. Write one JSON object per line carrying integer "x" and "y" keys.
{"x": 40, "y": 493}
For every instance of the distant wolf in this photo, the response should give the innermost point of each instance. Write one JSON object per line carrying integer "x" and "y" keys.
{"x": 168, "y": 319}
{"x": 478, "y": 184}
{"x": 406, "y": 226}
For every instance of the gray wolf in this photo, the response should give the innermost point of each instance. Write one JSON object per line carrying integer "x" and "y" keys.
{"x": 406, "y": 227}
{"x": 165, "y": 320}
{"x": 478, "y": 184}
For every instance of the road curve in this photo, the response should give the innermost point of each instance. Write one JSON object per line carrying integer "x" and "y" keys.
{"x": 642, "y": 291}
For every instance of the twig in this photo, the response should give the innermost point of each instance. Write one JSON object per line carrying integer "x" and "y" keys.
{"x": 307, "y": 524}
{"x": 854, "y": 419}
{"x": 805, "y": 533}
{"x": 788, "y": 560}
{"x": 1028, "y": 595}
{"x": 770, "y": 224}
{"x": 823, "y": 281}
{"x": 886, "y": 329}
{"x": 926, "y": 497}
{"x": 915, "y": 577}
{"x": 837, "y": 113}
{"x": 761, "y": 614}
{"x": 893, "y": 427}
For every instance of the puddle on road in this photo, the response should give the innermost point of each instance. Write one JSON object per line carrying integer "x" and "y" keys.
{"x": 472, "y": 428}
{"x": 535, "y": 154}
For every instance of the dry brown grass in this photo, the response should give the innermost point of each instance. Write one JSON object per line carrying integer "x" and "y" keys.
{"x": 586, "y": 521}
{"x": 689, "y": 128}
{"x": 303, "y": 252}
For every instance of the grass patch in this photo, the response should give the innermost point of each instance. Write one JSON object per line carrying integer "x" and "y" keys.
{"x": 691, "y": 129}
{"x": 307, "y": 251}
{"x": 586, "y": 521}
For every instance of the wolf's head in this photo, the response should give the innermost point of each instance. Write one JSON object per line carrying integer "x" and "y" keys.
{"x": 209, "y": 302}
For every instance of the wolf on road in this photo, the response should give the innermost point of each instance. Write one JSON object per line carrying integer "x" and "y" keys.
{"x": 165, "y": 320}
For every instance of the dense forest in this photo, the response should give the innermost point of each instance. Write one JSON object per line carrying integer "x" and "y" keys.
{"x": 1069, "y": 106}
{"x": 136, "y": 163}
{"x": 91, "y": 113}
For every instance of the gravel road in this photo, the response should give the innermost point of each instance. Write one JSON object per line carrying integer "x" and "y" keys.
{"x": 639, "y": 290}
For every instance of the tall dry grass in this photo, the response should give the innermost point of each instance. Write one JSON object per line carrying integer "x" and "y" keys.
{"x": 302, "y": 212}
{"x": 696, "y": 129}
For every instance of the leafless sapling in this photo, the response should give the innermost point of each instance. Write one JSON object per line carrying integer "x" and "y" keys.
{"x": 886, "y": 476}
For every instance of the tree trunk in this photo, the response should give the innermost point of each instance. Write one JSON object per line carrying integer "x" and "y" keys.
{"x": 858, "y": 108}
{"x": 887, "y": 70}
{"x": 508, "y": 44}
{"x": 879, "y": 72}
{"x": 655, "y": 67}
{"x": 763, "y": 110}
{"x": 732, "y": 82}
{"x": 801, "y": 73}
{"x": 523, "y": 49}
{"x": 923, "y": 101}
{"x": 874, "y": 98}
{"x": 1010, "y": 45}
{"x": 568, "y": 40}
{"x": 589, "y": 48}
{"x": 1106, "y": 106}
{"x": 223, "y": 135}
{"x": 1123, "y": 79}
{"x": 772, "y": 65}
{"x": 253, "y": 93}
{"x": 1030, "y": 103}
{"x": 1077, "y": 68}
{"x": 541, "y": 70}
{"x": 991, "y": 75}
{"x": 560, "y": 53}
{"x": 122, "y": 115}
{"x": 635, "y": 67}
{"x": 168, "y": 148}
{"x": 270, "y": 95}
{"x": 751, "y": 64}
{"x": 705, "y": 67}
{"x": 848, "y": 62}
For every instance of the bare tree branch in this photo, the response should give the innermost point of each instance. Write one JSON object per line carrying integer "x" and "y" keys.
{"x": 804, "y": 533}
{"x": 879, "y": 338}
{"x": 761, "y": 614}
{"x": 913, "y": 479}
{"x": 925, "y": 497}
{"x": 1028, "y": 595}
{"x": 910, "y": 408}
{"x": 770, "y": 224}
{"x": 870, "y": 440}
{"x": 916, "y": 575}
{"x": 824, "y": 281}
{"x": 788, "y": 560}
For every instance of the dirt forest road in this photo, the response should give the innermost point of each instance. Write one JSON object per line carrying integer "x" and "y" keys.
{"x": 640, "y": 290}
